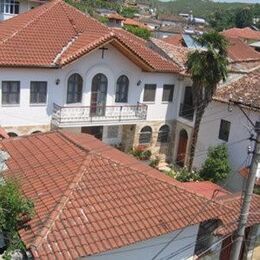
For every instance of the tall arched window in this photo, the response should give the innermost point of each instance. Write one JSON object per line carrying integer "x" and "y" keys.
{"x": 163, "y": 134}
{"x": 74, "y": 90}
{"x": 145, "y": 135}
{"x": 122, "y": 89}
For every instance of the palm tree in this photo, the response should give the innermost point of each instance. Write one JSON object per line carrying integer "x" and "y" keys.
{"x": 207, "y": 67}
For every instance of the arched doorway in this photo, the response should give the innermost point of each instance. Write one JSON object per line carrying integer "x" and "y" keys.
{"x": 182, "y": 147}
{"x": 98, "y": 95}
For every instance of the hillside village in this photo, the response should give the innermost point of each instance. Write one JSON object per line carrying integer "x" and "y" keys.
{"x": 127, "y": 133}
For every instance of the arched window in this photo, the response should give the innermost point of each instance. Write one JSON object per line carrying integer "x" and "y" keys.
{"x": 163, "y": 134}
{"x": 12, "y": 134}
{"x": 122, "y": 89}
{"x": 74, "y": 91}
{"x": 145, "y": 135}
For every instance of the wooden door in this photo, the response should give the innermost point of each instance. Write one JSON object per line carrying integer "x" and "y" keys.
{"x": 182, "y": 147}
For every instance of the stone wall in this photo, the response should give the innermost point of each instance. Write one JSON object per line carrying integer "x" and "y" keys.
{"x": 27, "y": 130}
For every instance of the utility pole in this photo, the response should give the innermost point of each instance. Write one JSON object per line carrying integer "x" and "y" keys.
{"x": 255, "y": 164}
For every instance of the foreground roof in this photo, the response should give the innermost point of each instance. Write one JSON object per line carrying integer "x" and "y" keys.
{"x": 90, "y": 197}
{"x": 55, "y": 34}
{"x": 244, "y": 33}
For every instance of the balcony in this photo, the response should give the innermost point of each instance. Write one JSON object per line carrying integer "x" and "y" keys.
{"x": 186, "y": 111}
{"x": 77, "y": 116}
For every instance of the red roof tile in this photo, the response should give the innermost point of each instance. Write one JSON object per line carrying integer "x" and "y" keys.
{"x": 243, "y": 33}
{"x": 239, "y": 51}
{"x": 176, "y": 40}
{"x": 90, "y": 197}
{"x": 56, "y": 33}
{"x": 245, "y": 88}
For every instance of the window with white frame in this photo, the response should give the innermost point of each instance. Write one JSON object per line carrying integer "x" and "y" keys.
{"x": 163, "y": 134}
{"x": 122, "y": 89}
{"x": 167, "y": 93}
{"x": 9, "y": 6}
{"x": 38, "y": 92}
{"x": 224, "y": 130}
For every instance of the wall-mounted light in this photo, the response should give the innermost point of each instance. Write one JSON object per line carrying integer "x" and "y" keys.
{"x": 57, "y": 81}
{"x": 139, "y": 82}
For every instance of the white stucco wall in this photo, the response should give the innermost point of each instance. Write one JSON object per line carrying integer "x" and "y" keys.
{"x": 148, "y": 249}
{"x": 237, "y": 145}
{"x": 113, "y": 65}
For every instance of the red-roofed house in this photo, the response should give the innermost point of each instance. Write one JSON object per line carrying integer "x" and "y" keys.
{"x": 63, "y": 69}
{"x": 247, "y": 34}
{"x": 91, "y": 200}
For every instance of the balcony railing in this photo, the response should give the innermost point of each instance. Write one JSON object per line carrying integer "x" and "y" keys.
{"x": 187, "y": 111}
{"x": 87, "y": 115}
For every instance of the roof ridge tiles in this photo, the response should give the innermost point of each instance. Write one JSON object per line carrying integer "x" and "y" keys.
{"x": 43, "y": 11}
{"x": 54, "y": 215}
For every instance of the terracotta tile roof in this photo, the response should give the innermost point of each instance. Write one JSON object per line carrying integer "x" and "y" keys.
{"x": 244, "y": 33}
{"x": 176, "y": 29}
{"x": 132, "y": 22}
{"x": 240, "y": 51}
{"x": 178, "y": 54}
{"x": 206, "y": 188}
{"x": 3, "y": 133}
{"x": 244, "y": 66}
{"x": 90, "y": 197}
{"x": 115, "y": 16}
{"x": 245, "y": 89}
{"x": 176, "y": 40}
{"x": 56, "y": 33}
{"x": 172, "y": 18}
{"x": 232, "y": 202}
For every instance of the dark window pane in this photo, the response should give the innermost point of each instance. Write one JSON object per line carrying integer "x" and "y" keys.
{"x": 122, "y": 89}
{"x": 168, "y": 93}
{"x": 163, "y": 134}
{"x": 10, "y": 92}
{"x": 224, "y": 130}
{"x": 149, "y": 92}
{"x": 145, "y": 135}
{"x": 38, "y": 92}
{"x": 74, "y": 89}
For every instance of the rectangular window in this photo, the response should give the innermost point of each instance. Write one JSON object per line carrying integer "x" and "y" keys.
{"x": 224, "y": 130}
{"x": 168, "y": 93}
{"x": 9, "y": 6}
{"x": 149, "y": 92}
{"x": 10, "y": 92}
{"x": 38, "y": 92}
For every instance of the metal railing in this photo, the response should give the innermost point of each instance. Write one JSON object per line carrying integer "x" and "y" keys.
{"x": 84, "y": 115}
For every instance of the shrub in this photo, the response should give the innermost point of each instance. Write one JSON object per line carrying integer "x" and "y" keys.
{"x": 216, "y": 168}
{"x": 183, "y": 175}
{"x": 141, "y": 152}
{"x": 140, "y": 32}
{"x": 15, "y": 211}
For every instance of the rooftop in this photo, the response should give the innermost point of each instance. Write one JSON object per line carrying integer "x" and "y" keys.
{"x": 244, "y": 33}
{"x": 90, "y": 197}
{"x": 55, "y": 34}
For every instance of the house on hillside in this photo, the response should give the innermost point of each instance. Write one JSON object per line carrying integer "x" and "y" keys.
{"x": 75, "y": 73}
{"x": 94, "y": 202}
{"x": 224, "y": 125}
{"x": 11, "y": 8}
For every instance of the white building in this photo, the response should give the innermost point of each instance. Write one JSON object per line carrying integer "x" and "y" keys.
{"x": 227, "y": 124}
{"x": 71, "y": 72}
{"x": 11, "y": 8}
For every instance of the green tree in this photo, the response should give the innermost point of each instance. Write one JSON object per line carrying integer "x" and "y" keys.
{"x": 244, "y": 17}
{"x": 140, "y": 32}
{"x": 207, "y": 68}
{"x": 128, "y": 12}
{"x": 216, "y": 168}
{"x": 15, "y": 211}
{"x": 221, "y": 20}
